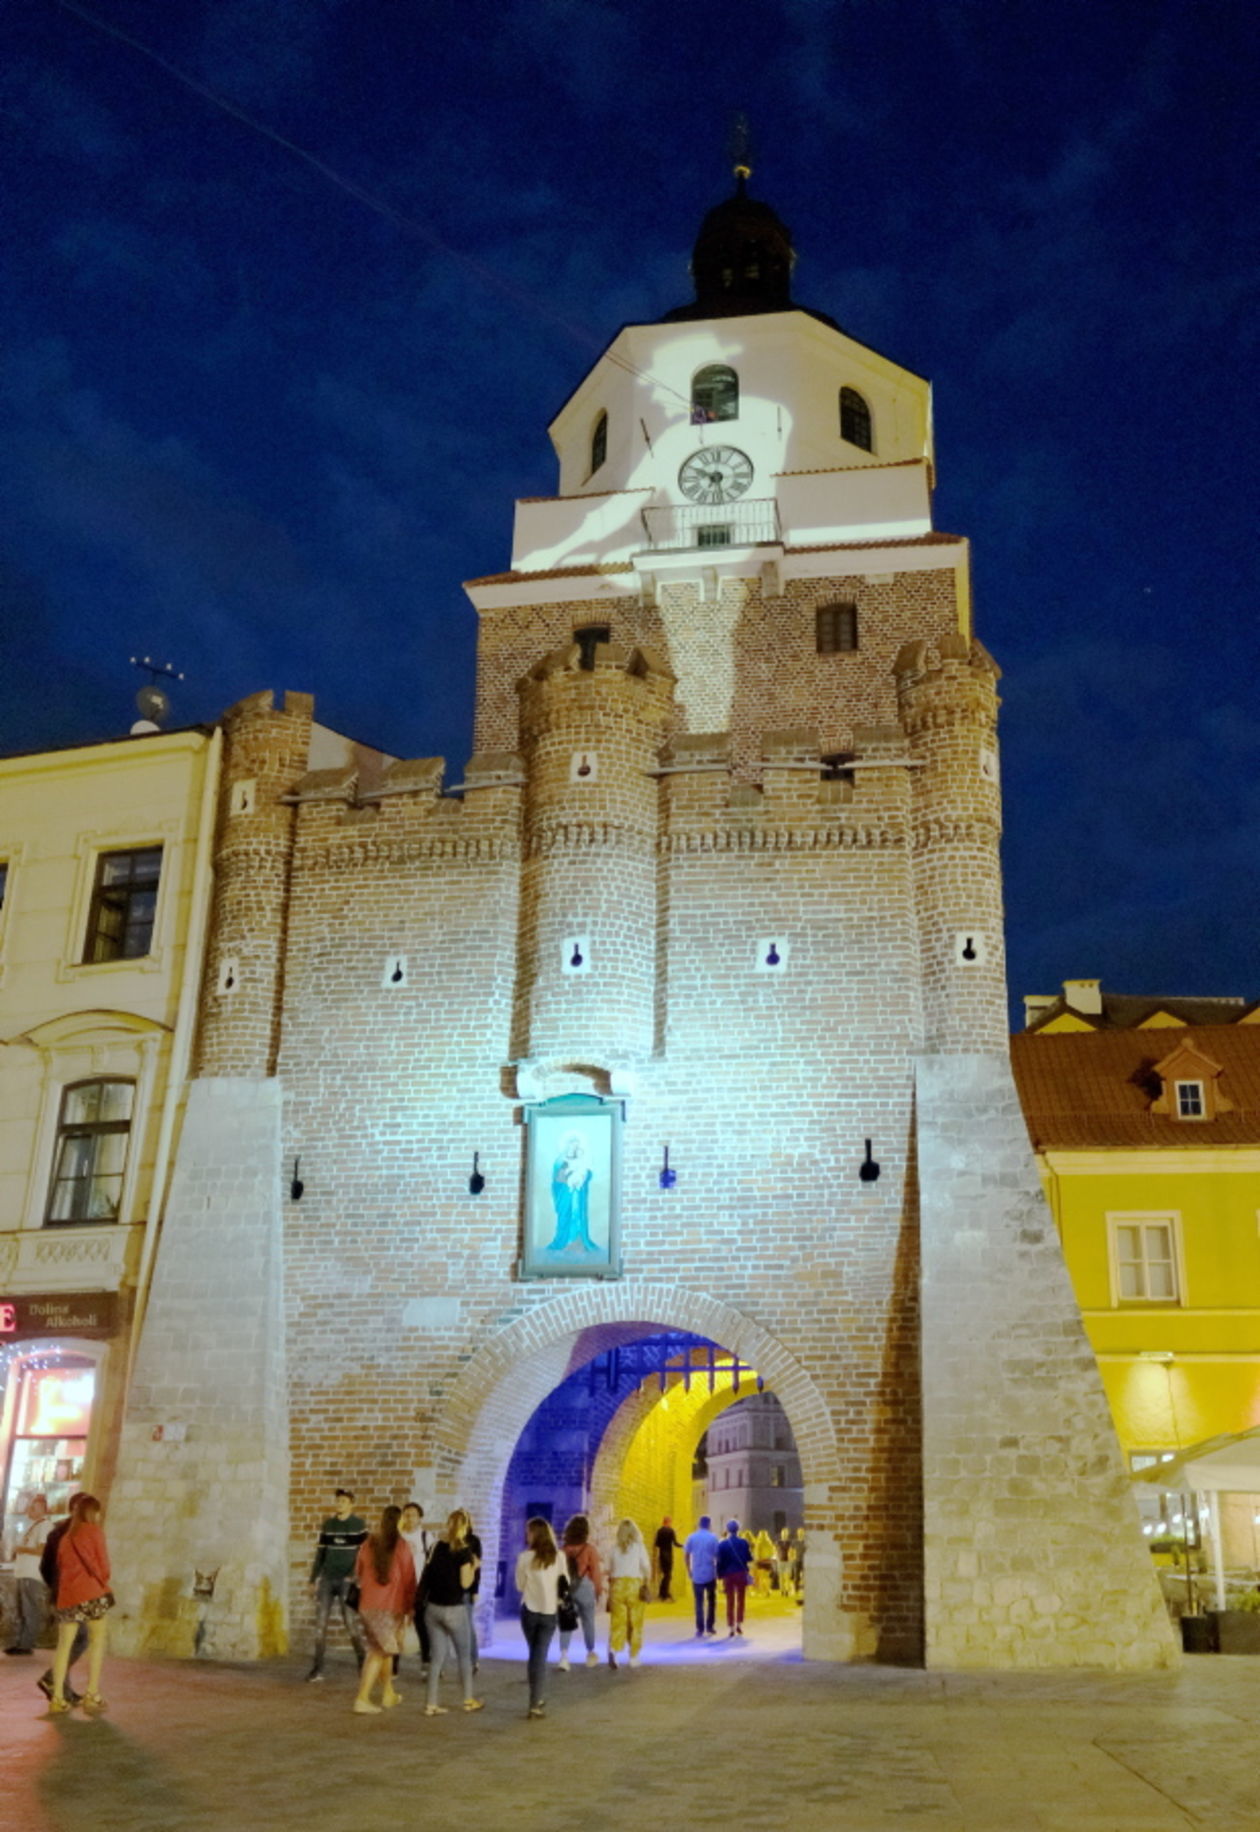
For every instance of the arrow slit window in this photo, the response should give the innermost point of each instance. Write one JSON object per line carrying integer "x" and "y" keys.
{"x": 599, "y": 443}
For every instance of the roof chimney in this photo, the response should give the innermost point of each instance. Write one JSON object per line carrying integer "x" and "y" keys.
{"x": 1084, "y": 996}
{"x": 1035, "y": 1003}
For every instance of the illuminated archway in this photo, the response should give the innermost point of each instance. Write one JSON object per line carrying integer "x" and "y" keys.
{"x": 514, "y": 1371}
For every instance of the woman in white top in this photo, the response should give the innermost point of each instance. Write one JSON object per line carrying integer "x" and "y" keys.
{"x": 630, "y": 1570}
{"x": 539, "y": 1570}
{"x": 413, "y": 1530}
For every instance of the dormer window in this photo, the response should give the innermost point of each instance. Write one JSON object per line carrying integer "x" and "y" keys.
{"x": 599, "y": 443}
{"x": 1190, "y": 1102}
{"x": 714, "y": 394}
{"x": 855, "y": 419}
{"x": 1189, "y": 1083}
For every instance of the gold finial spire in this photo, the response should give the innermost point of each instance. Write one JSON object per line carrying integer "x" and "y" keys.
{"x": 741, "y": 150}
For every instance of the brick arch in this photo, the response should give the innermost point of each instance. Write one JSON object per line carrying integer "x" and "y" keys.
{"x": 511, "y": 1374}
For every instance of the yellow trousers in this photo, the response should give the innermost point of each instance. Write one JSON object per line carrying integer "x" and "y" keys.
{"x": 626, "y": 1608}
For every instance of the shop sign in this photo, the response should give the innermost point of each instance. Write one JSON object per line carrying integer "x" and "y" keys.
{"x": 60, "y": 1313}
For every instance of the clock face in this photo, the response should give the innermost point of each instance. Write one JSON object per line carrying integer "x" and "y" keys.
{"x": 715, "y": 474}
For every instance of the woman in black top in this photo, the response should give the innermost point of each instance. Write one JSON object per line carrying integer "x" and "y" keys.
{"x": 448, "y": 1577}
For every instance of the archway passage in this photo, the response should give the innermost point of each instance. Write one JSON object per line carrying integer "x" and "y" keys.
{"x": 625, "y": 1435}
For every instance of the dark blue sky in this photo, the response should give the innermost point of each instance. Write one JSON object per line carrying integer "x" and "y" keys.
{"x": 252, "y": 424}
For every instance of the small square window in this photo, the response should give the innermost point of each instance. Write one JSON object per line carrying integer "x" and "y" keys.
{"x": 1190, "y": 1102}
{"x": 835, "y": 629}
{"x": 713, "y": 535}
{"x": 124, "y": 902}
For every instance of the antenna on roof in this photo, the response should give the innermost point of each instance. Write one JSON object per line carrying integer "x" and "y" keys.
{"x": 152, "y": 703}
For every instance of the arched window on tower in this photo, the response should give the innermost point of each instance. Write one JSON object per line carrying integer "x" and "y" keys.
{"x": 599, "y": 443}
{"x": 855, "y": 419}
{"x": 714, "y": 394}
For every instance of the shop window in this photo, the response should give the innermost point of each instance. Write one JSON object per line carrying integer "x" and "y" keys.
{"x": 599, "y": 443}
{"x": 46, "y": 1404}
{"x": 124, "y": 901}
{"x": 855, "y": 419}
{"x": 1190, "y": 1102}
{"x": 835, "y": 629}
{"x": 90, "y": 1156}
{"x": 714, "y": 394}
{"x": 1144, "y": 1259}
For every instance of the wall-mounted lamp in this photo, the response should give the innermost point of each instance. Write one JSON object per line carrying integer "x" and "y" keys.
{"x": 868, "y": 1169}
{"x": 668, "y": 1177}
{"x": 476, "y": 1183}
{"x": 296, "y": 1186}
{"x": 1165, "y": 1357}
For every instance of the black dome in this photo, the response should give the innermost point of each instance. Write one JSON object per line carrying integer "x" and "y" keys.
{"x": 742, "y": 261}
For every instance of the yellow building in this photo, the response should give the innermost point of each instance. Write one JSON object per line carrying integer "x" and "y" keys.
{"x": 1145, "y": 1117}
{"x": 104, "y": 893}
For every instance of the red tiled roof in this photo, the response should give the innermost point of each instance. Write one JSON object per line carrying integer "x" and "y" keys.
{"x": 1091, "y": 1090}
{"x": 556, "y": 572}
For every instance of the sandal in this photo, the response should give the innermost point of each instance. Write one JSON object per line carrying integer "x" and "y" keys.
{"x": 435, "y": 1710}
{"x": 92, "y": 1701}
{"x": 474, "y": 1704}
{"x": 57, "y": 1706}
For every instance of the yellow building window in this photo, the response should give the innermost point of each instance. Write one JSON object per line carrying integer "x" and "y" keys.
{"x": 1144, "y": 1260}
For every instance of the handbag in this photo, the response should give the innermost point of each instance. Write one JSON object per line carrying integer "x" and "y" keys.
{"x": 567, "y": 1617}
{"x": 645, "y": 1592}
{"x": 352, "y": 1594}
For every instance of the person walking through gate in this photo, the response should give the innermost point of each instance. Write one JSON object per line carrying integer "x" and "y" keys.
{"x": 700, "y": 1553}
{"x": 385, "y": 1573}
{"x": 665, "y": 1544}
{"x": 539, "y": 1571}
{"x": 586, "y": 1587}
{"x": 83, "y": 1595}
{"x": 333, "y": 1571}
{"x": 630, "y": 1570}
{"x": 734, "y": 1564}
{"x": 448, "y": 1577}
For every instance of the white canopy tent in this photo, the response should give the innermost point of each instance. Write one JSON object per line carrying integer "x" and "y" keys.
{"x": 1229, "y": 1464}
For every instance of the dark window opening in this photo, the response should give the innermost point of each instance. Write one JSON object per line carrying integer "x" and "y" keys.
{"x": 4, "y": 881}
{"x": 599, "y": 443}
{"x": 124, "y": 901}
{"x": 855, "y": 419}
{"x": 90, "y": 1158}
{"x": 714, "y": 394}
{"x": 835, "y": 629}
{"x": 586, "y": 639}
{"x": 836, "y": 766}
{"x": 713, "y": 535}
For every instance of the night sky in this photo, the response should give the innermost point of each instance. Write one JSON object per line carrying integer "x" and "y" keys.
{"x": 261, "y": 419}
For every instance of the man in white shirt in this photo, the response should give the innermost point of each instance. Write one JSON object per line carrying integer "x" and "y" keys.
{"x": 32, "y": 1595}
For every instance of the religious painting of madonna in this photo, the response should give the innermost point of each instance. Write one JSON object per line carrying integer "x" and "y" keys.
{"x": 572, "y": 1179}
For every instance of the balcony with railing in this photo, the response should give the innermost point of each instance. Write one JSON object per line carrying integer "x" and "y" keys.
{"x": 677, "y": 527}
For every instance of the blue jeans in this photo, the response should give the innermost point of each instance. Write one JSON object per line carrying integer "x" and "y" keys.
{"x": 327, "y": 1592}
{"x": 32, "y": 1607}
{"x": 448, "y": 1633}
{"x": 706, "y": 1604}
{"x": 538, "y": 1631}
{"x": 470, "y": 1604}
{"x": 582, "y": 1596}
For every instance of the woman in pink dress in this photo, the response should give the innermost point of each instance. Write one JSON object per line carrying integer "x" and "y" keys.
{"x": 386, "y": 1575}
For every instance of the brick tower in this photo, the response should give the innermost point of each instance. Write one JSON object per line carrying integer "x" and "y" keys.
{"x": 722, "y": 878}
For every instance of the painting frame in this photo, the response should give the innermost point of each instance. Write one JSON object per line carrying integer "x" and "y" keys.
{"x": 572, "y": 1196}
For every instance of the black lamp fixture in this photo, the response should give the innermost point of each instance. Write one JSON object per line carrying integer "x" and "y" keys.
{"x": 296, "y": 1185}
{"x": 668, "y": 1177}
{"x": 868, "y": 1169}
{"x": 476, "y": 1183}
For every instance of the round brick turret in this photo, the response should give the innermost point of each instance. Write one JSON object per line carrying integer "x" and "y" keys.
{"x": 265, "y": 754}
{"x": 592, "y": 724}
{"x": 948, "y": 707}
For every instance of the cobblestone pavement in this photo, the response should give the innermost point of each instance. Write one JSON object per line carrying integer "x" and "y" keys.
{"x": 746, "y": 1737}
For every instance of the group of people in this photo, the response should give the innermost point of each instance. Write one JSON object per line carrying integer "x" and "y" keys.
{"x": 64, "y": 1565}
{"x": 773, "y": 1564}
{"x": 395, "y": 1576}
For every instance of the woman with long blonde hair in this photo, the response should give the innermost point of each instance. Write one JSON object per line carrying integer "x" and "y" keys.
{"x": 448, "y": 1577}
{"x": 630, "y": 1569}
{"x": 539, "y": 1572}
{"x": 82, "y": 1595}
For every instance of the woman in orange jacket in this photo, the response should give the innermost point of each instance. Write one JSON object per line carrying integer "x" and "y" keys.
{"x": 82, "y": 1595}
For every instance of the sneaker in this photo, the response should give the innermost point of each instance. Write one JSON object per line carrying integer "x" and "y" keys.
{"x": 634, "y": 1660}
{"x": 474, "y": 1704}
{"x": 563, "y": 1663}
{"x": 537, "y": 1711}
{"x": 592, "y": 1659}
{"x": 313, "y": 1675}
